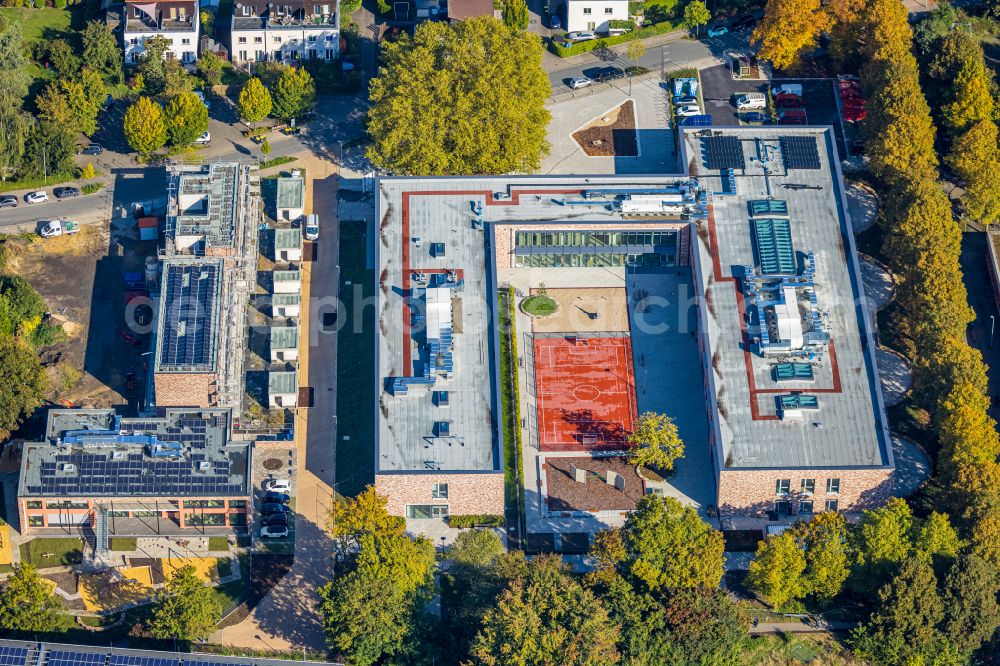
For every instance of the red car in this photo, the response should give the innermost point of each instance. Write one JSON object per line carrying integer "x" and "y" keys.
{"x": 129, "y": 338}
{"x": 789, "y": 102}
{"x": 853, "y": 114}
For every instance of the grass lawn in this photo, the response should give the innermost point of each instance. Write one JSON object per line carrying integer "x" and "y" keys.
{"x": 59, "y": 551}
{"x": 355, "y": 367}
{"x": 513, "y": 488}
{"x": 38, "y": 25}
{"x": 539, "y": 306}
{"x": 124, "y": 543}
{"x": 225, "y": 567}
{"x": 218, "y": 543}
{"x": 283, "y": 159}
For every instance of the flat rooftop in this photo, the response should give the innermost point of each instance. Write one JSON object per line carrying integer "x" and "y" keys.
{"x": 778, "y": 220}
{"x": 95, "y": 453}
{"x": 291, "y": 192}
{"x": 582, "y": 484}
{"x": 188, "y": 321}
{"x": 204, "y": 204}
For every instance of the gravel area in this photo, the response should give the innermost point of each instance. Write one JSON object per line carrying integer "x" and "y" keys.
{"x": 913, "y": 467}
{"x": 896, "y": 375}
{"x": 862, "y": 205}
{"x": 611, "y": 135}
{"x": 880, "y": 286}
{"x": 567, "y": 494}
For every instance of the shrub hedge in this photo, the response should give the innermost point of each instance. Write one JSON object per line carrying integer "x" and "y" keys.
{"x": 485, "y": 520}
{"x": 583, "y": 47}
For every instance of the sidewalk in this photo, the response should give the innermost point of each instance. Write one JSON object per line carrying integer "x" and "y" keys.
{"x": 555, "y": 63}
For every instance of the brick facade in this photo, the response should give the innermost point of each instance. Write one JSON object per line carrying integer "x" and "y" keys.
{"x": 191, "y": 389}
{"x": 35, "y": 512}
{"x": 748, "y": 492}
{"x": 468, "y": 494}
{"x": 503, "y": 235}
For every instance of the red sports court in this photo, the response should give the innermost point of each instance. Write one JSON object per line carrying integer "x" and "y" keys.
{"x": 585, "y": 392}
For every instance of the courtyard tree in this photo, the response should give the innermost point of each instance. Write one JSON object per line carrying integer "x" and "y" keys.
{"x": 696, "y": 14}
{"x": 186, "y": 609}
{"x": 255, "y": 102}
{"x": 515, "y": 14}
{"x": 187, "y": 119}
{"x": 353, "y": 517}
{"x": 210, "y": 67}
{"x": 667, "y": 545}
{"x": 655, "y": 442}
{"x": 499, "y": 128}
{"x": 27, "y": 603}
{"x": 145, "y": 127}
{"x": 776, "y": 570}
{"x": 788, "y": 28}
{"x": 882, "y": 541}
{"x": 294, "y": 93}
{"x": 547, "y": 617}
{"x": 825, "y": 540}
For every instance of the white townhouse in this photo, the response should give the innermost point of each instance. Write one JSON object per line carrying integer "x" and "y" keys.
{"x": 285, "y": 31}
{"x": 176, "y": 20}
{"x": 594, "y": 15}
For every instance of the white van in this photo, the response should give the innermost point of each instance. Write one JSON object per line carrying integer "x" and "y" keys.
{"x": 788, "y": 89}
{"x": 752, "y": 100}
{"x": 312, "y": 227}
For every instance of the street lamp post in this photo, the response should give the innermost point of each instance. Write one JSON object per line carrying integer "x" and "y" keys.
{"x": 993, "y": 322}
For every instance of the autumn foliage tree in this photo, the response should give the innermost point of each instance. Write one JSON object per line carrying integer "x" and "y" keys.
{"x": 788, "y": 28}
{"x": 145, "y": 126}
{"x": 655, "y": 442}
{"x": 776, "y": 570}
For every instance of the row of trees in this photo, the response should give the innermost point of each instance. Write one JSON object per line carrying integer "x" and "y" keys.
{"x": 280, "y": 91}
{"x": 652, "y": 600}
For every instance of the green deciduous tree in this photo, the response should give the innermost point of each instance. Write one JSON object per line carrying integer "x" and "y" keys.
{"x": 776, "y": 570}
{"x": 63, "y": 58}
{"x": 696, "y": 14}
{"x": 788, "y": 28}
{"x": 22, "y": 383}
{"x": 707, "y": 627}
{"x": 431, "y": 119}
{"x": 372, "y": 609}
{"x": 970, "y": 445}
{"x": 904, "y": 627}
{"x": 186, "y": 118}
{"x": 255, "y": 101}
{"x": 294, "y": 93}
{"x": 825, "y": 540}
{"x": 547, "y": 617}
{"x": 145, "y": 126}
{"x": 882, "y": 541}
{"x": 668, "y": 545}
{"x": 101, "y": 50}
{"x": 210, "y": 68}
{"x": 49, "y": 150}
{"x": 972, "y": 613}
{"x": 153, "y": 65}
{"x": 15, "y": 127}
{"x": 14, "y": 76}
{"x": 27, "y": 603}
{"x": 655, "y": 442}
{"x": 515, "y": 14}
{"x": 366, "y": 513}
{"x": 636, "y": 49}
{"x": 935, "y": 538}
{"x": 186, "y": 609}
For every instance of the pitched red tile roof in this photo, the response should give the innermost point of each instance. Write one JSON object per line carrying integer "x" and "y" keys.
{"x": 466, "y": 9}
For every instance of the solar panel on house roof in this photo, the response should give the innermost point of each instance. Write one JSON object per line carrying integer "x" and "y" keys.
{"x": 129, "y": 660}
{"x": 67, "y": 658}
{"x": 723, "y": 152}
{"x": 775, "y": 253}
{"x": 800, "y": 152}
{"x": 190, "y": 292}
{"x": 13, "y": 656}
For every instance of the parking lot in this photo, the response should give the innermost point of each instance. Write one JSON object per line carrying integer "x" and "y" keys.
{"x": 720, "y": 90}
{"x": 273, "y": 460}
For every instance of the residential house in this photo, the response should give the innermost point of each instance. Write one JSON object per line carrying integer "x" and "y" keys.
{"x": 594, "y": 15}
{"x": 285, "y": 31}
{"x": 175, "y": 20}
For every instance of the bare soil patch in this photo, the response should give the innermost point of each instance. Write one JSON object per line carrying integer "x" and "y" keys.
{"x": 611, "y": 135}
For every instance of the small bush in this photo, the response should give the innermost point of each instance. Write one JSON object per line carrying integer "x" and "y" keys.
{"x": 485, "y": 520}
{"x": 92, "y": 188}
{"x": 539, "y": 305}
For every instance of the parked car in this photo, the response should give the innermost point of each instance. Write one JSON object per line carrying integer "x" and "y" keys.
{"x": 109, "y": 103}
{"x": 579, "y": 36}
{"x": 277, "y": 519}
{"x": 689, "y": 110}
{"x": 789, "y": 102}
{"x": 36, "y": 197}
{"x": 788, "y": 89}
{"x": 751, "y": 100}
{"x": 277, "y": 485}
{"x": 8, "y": 201}
{"x": 579, "y": 82}
{"x": 312, "y": 229}
{"x": 555, "y": 23}
{"x": 66, "y": 192}
{"x": 607, "y": 74}
{"x": 204, "y": 139}
{"x": 204, "y": 101}
{"x": 273, "y": 532}
{"x": 274, "y": 507}
{"x": 853, "y": 114}
{"x": 717, "y": 30}
{"x": 52, "y": 228}
{"x": 685, "y": 101}
{"x": 92, "y": 149}
{"x": 745, "y": 22}
{"x": 281, "y": 498}
{"x": 792, "y": 120}
{"x": 755, "y": 117}
{"x": 130, "y": 338}
{"x": 130, "y": 382}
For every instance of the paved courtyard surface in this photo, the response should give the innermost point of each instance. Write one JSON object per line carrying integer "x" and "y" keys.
{"x": 576, "y": 109}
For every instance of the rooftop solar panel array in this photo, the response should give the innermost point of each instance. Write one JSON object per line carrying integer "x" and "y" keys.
{"x": 67, "y": 658}
{"x": 723, "y": 152}
{"x": 188, "y": 335}
{"x": 129, "y": 660}
{"x": 775, "y": 253}
{"x": 13, "y": 656}
{"x": 800, "y": 152}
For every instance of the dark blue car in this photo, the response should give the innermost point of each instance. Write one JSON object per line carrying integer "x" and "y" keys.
{"x": 755, "y": 117}
{"x": 555, "y": 23}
